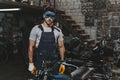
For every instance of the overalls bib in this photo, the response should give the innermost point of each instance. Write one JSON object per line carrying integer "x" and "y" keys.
{"x": 46, "y": 49}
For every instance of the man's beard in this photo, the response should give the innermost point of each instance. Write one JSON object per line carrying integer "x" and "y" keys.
{"x": 49, "y": 24}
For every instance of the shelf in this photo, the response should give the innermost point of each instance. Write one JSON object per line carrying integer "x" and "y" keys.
{"x": 24, "y": 7}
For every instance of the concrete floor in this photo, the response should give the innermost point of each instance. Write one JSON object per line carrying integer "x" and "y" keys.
{"x": 14, "y": 69}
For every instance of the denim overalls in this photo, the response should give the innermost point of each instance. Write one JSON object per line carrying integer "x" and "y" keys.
{"x": 46, "y": 49}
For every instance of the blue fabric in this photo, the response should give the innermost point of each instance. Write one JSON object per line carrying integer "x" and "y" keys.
{"x": 60, "y": 77}
{"x": 49, "y": 14}
{"x": 46, "y": 49}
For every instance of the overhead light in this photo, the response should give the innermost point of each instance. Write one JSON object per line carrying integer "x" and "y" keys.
{"x": 10, "y": 9}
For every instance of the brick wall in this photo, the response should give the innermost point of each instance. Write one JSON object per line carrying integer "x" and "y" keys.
{"x": 73, "y": 8}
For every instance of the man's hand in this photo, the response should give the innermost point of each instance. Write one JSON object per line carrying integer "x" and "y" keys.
{"x": 31, "y": 68}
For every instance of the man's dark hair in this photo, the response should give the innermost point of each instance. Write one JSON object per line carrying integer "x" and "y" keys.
{"x": 49, "y": 9}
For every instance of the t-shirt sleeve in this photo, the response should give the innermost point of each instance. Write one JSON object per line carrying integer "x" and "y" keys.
{"x": 33, "y": 34}
{"x": 60, "y": 38}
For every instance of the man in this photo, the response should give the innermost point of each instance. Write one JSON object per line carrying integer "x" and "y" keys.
{"x": 46, "y": 38}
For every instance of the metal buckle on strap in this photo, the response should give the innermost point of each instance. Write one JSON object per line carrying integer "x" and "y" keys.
{"x": 47, "y": 62}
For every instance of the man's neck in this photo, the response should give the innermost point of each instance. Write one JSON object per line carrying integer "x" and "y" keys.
{"x": 46, "y": 25}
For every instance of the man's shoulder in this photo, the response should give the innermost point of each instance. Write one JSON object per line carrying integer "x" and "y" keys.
{"x": 36, "y": 27}
{"x": 57, "y": 28}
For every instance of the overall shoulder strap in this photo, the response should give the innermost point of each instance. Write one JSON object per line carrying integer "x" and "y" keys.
{"x": 55, "y": 28}
{"x": 52, "y": 28}
{"x": 40, "y": 26}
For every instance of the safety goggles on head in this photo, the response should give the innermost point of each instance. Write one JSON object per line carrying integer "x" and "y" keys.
{"x": 49, "y": 14}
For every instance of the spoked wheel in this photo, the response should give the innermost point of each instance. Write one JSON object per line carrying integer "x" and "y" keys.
{"x": 3, "y": 55}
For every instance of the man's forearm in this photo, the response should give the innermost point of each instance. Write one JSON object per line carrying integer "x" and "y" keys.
{"x": 30, "y": 55}
{"x": 30, "y": 50}
{"x": 62, "y": 52}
